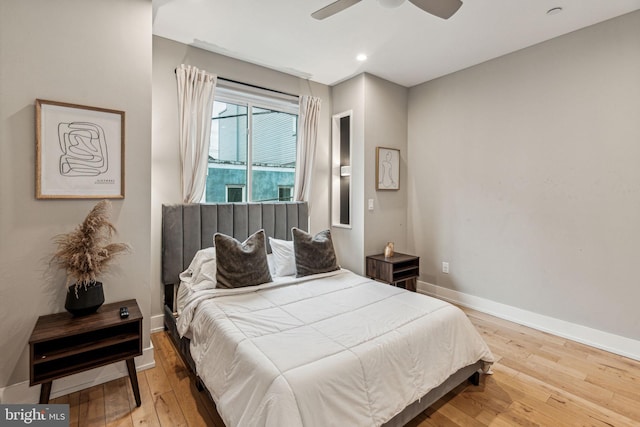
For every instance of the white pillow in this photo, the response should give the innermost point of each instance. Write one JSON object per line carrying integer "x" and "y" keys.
{"x": 284, "y": 257}
{"x": 272, "y": 264}
{"x": 202, "y": 270}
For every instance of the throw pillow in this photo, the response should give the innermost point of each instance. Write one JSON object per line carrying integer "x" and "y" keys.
{"x": 241, "y": 264}
{"x": 314, "y": 254}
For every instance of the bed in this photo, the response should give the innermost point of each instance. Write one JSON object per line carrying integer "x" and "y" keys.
{"x": 332, "y": 348}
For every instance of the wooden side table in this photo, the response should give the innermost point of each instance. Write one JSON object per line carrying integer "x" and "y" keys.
{"x": 399, "y": 270}
{"x": 62, "y": 344}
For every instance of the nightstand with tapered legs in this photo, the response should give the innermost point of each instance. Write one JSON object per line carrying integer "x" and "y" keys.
{"x": 62, "y": 344}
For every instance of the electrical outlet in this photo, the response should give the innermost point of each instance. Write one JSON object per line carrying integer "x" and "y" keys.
{"x": 445, "y": 267}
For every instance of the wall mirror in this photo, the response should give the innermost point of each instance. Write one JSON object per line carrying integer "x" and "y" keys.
{"x": 341, "y": 169}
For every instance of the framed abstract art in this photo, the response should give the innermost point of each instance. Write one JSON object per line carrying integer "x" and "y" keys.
{"x": 79, "y": 151}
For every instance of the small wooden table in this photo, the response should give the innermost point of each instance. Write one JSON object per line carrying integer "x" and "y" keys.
{"x": 62, "y": 344}
{"x": 400, "y": 270}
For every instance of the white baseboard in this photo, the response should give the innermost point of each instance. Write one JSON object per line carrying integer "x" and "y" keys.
{"x": 22, "y": 393}
{"x": 595, "y": 338}
{"x": 157, "y": 323}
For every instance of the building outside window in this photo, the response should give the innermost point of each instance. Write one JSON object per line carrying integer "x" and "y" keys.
{"x": 254, "y": 129}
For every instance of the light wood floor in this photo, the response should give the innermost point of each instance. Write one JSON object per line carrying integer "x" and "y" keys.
{"x": 539, "y": 379}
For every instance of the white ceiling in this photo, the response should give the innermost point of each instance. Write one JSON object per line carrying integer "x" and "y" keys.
{"x": 404, "y": 45}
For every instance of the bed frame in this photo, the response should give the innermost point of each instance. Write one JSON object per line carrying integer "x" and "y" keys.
{"x": 188, "y": 228}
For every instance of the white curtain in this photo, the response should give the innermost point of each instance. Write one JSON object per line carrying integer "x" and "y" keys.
{"x": 195, "y": 106}
{"x": 308, "y": 119}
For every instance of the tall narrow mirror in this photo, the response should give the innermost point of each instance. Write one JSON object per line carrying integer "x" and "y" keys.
{"x": 341, "y": 166}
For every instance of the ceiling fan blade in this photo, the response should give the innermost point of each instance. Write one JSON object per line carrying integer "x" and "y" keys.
{"x": 441, "y": 8}
{"x": 333, "y": 8}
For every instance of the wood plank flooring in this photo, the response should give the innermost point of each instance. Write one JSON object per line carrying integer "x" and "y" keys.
{"x": 539, "y": 380}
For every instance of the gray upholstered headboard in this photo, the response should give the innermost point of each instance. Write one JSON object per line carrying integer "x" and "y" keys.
{"x": 189, "y": 228}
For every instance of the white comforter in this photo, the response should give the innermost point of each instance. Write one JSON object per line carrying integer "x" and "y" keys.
{"x": 335, "y": 349}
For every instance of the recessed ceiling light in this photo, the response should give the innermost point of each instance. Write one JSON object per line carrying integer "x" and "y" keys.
{"x": 554, "y": 11}
{"x": 361, "y": 57}
{"x": 390, "y": 3}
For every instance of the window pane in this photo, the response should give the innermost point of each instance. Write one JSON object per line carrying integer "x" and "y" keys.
{"x": 270, "y": 149}
{"x": 274, "y": 153}
{"x": 227, "y": 153}
{"x": 285, "y": 194}
{"x": 235, "y": 194}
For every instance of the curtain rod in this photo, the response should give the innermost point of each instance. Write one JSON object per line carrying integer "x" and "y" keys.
{"x": 252, "y": 85}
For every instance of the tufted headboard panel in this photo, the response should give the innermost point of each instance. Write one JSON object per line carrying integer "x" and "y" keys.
{"x": 187, "y": 228}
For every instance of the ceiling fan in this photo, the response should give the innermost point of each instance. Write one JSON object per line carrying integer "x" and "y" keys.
{"x": 441, "y": 8}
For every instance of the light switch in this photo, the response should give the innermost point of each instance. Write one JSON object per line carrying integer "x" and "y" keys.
{"x": 445, "y": 267}
{"x": 370, "y": 204}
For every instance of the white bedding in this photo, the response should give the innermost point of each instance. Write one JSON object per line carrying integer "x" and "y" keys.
{"x": 333, "y": 349}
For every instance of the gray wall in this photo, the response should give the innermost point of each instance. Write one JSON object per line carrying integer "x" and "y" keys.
{"x": 386, "y": 126}
{"x": 167, "y": 55}
{"x": 349, "y": 242}
{"x": 524, "y": 176}
{"x": 87, "y": 52}
{"x": 379, "y": 119}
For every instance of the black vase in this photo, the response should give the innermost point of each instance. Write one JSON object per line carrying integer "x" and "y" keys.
{"x": 89, "y": 298}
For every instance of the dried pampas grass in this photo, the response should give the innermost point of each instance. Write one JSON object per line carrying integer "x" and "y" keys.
{"x": 86, "y": 252}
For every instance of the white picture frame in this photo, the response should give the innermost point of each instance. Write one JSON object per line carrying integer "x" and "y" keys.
{"x": 79, "y": 151}
{"x": 387, "y": 168}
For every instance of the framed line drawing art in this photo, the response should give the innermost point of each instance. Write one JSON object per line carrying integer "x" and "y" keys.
{"x": 79, "y": 151}
{"x": 387, "y": 168}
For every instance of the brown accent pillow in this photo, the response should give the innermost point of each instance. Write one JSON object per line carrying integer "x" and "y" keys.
{"x": 241, "y": 264}
{"x": 314, "y": 254}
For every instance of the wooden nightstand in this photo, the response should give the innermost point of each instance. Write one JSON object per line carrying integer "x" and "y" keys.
{"x": 62, "y": 345}
{"x": 399, "y": 270}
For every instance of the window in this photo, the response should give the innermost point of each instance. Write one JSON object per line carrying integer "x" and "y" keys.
{"x": 253, "y": 146}
{"x": 235, "y": 193}
{"x": 285, "y": 194}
